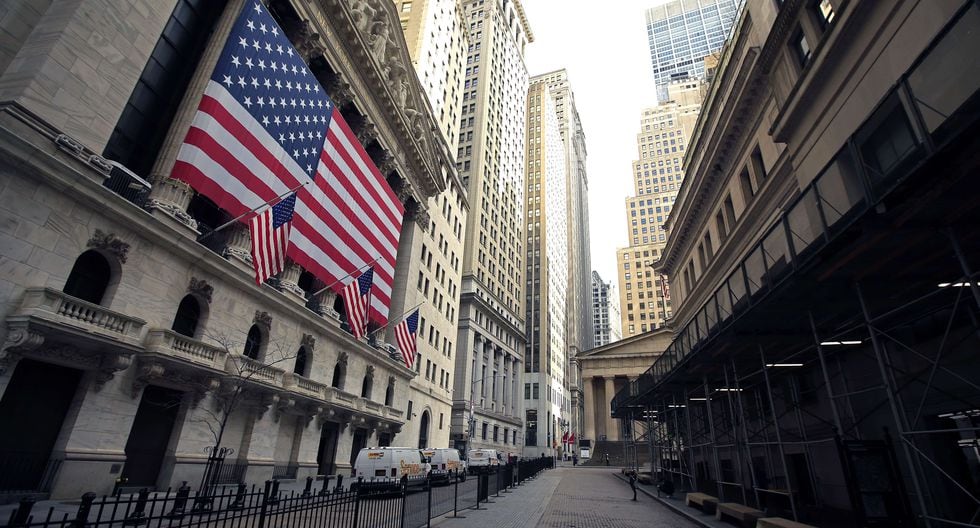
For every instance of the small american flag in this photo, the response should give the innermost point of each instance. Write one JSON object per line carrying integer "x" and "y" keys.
{"x": 405, "y": 334}
{"x": 356, "y": 296}
{"x": 270, "y": 237}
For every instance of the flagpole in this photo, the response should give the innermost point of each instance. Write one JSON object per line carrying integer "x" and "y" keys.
{"x": 325, "y": 288}
{"x": 382, "y": 327}
{"x": 254, "y": 209}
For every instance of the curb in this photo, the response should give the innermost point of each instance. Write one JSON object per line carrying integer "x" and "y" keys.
{"x": 681, "y": 512}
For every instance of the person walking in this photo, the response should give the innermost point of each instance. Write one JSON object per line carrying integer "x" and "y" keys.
{"x": 574, "y": 460}
{"x": 632, "y": 475}
{"x": 607, "y": 459}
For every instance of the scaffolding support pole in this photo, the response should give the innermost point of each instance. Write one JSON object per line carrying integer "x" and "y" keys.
{"x": 738, "y": 455}
{"x": 690, "y": 436}
{"x": 974, "y": 287}
{"x": 714, "y": 442}
{"x": 648, "y": 417}
{"x": 745, "y": 434}
{"x": 826, "y": 375}
{"x": 806, "y": 440}
{"x": 779, "y": 438}
{"x": 896, "y": 412}
{"x": 680, "y": 438}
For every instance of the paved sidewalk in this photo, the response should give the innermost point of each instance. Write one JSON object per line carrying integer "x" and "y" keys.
{"x": 567, "y": 497}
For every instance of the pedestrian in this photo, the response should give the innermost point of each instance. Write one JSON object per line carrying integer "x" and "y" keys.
{"x": 574, "y": 460}
{"x": 607, "y": 459}
{"x": 632, "y": 475}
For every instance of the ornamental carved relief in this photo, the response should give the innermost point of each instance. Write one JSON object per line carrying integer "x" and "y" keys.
{"x": 109, "y": 243}
{"x": 262, "y": 320}
{"x": 201, "y": 288}
{"x": 308, "y": 341}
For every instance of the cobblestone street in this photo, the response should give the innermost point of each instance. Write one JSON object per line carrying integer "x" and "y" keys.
{"x": 570, "y": 498}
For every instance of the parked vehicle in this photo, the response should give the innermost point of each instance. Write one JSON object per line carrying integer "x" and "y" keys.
{"x": 482, "y": 460}
{"x": 445, "y": 463}
{"x": 384, "y": 467}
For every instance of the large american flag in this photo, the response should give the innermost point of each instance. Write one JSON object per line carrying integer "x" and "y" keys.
{"x": 356, "y": 296}
{"x": 264, "y": 126}
{"x": 270, "y": 238}
{"x": 405, "y": 334}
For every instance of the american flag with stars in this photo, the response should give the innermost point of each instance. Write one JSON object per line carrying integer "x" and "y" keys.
{"x": 356, "y": 296}
{"x": 265, "y": 126}
{"x": 270, "y": 238}
{"x": 405, "y": 334}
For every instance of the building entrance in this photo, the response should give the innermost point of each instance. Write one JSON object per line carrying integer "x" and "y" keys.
{"x": 150, "y": 435}
{"x": 32, "y": 412}
{"x": 327, "y": 453}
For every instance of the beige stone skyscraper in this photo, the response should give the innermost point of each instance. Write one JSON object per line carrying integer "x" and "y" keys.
{"x": 546, "y": 377}
{"x": 487, "y": 405}
{"x": 665, "y": 131}
{"x": 436, "y": 42}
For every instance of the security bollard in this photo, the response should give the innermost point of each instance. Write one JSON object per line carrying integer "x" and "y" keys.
{"x": 308, "y": 490}
{"x": 81, "y": 517}
{"x": 138, "y": 516}
{"x": 239, "y": 501}
{"x": 180, "y": 501}
{"x": 340, "y": 484}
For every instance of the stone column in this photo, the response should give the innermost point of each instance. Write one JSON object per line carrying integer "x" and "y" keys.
{"x": 169, "y": 197}
{"x": 612, "y": 427}
{"x": 516, "y": 388}
{"x": 260, "y": 446}
{"x": 590, "y": 417}
{"x": 308, "y": 438}
{"x": 504, "y": 384}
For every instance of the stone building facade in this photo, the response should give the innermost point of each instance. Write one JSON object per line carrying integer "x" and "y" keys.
{"x": 132, "y": 336}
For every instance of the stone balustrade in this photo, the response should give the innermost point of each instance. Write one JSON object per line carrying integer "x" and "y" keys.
{"x": 254, "y": 371}
{"x": 304, "y": 386}
{"x": 169, "y": 343}
{"x": 53, "y": 306}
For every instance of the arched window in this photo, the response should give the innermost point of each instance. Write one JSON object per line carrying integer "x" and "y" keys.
{"x": 339, "y": 373}
{"x": 188, "y": 316}
{"x": 390, "y": 392}
{"x": 89, "y": 277}
{"x": 424, "y": 430}
{"x": 253, "y": 342}
{"x": 302, "y": 358}
{"x": 367, "y": 385}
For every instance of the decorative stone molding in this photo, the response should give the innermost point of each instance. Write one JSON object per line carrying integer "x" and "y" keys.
{"x": 386, "y": 163}
{"x": 239, "y": 244}
{"x": 289, "y": 281}
{"x": 366, "y": 133}
{"x": 108, "y": 368}
{"x": 21, "y": 339}
{"x": 263, "y": 320}
{"x": 308, "y": 341}
{"x": 340, "y": 92}
{"x": 201, "y": 288}
{"x": 144, "y": 376}
{"x": 264, "y": 403}
{"x": 171, "y": 197}
{"x": 109, "y": 243}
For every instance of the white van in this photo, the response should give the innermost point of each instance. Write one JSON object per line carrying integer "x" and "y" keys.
{"x": 481, "y": 460}
{"x": 384, "y": 466}
{"x": 445, "y": 463}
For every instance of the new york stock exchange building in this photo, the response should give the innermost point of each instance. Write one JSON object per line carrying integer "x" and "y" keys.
{"x": 134, "y": 336}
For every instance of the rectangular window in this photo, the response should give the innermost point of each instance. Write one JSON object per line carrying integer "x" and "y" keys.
{"x": 823, "y": 11}
{"x": 801, "y": 48}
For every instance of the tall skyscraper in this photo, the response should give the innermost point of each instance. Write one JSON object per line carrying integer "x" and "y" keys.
{"x": 546, "y": 394}
{"x": 487, "y": 404}
{"x": 605, "y": 309}
{"x": 665, "y": 130}
{"x": 436, "y": 41}
{"x": 682, "y": 33}
{"x": 579, "y": 295}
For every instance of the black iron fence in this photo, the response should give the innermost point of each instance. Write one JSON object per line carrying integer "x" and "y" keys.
{"x": 404, "y": 504}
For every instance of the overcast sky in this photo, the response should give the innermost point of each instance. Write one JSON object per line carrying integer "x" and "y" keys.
{"x": 603, "y": 46}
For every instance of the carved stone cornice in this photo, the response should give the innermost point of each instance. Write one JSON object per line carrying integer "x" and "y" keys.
{"x": 364, "y": 44}
{"x": 109, "y": 243}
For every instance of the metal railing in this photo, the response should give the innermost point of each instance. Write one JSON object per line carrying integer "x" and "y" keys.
{"x": 410, "y": 504}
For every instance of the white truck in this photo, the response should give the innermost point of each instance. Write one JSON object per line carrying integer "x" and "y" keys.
{"x": 482, "y": 460}
{"x": 384, "y": 467}
{"x": 445, "y": 464}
